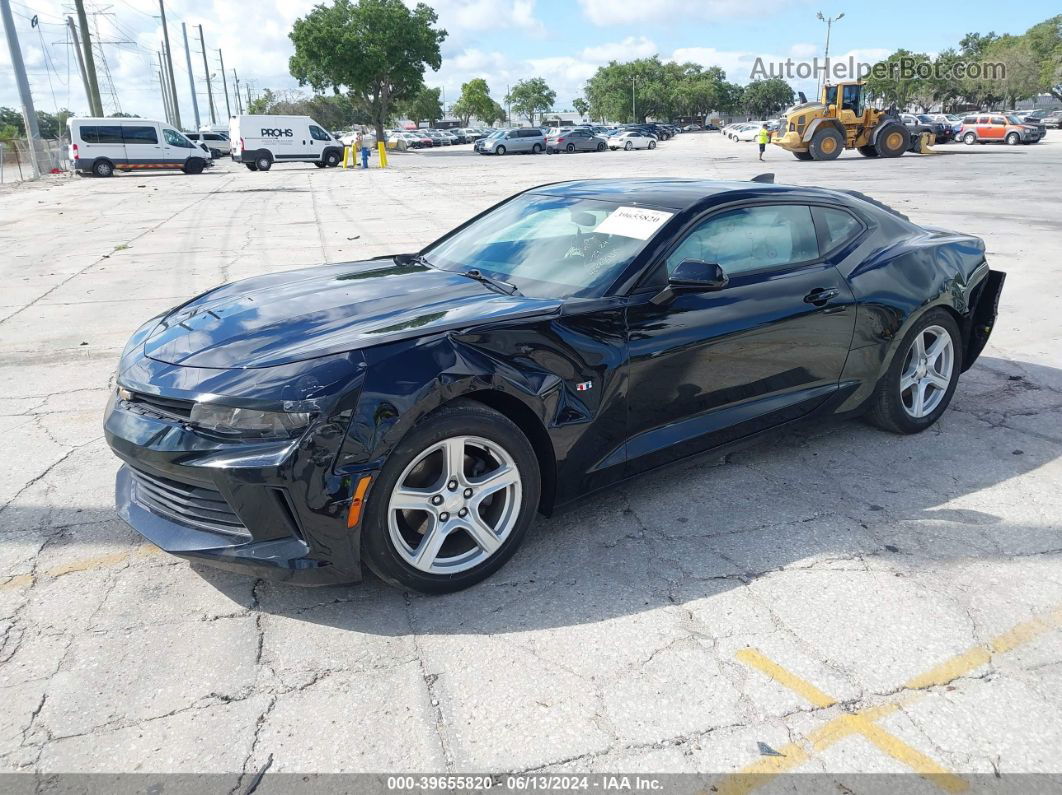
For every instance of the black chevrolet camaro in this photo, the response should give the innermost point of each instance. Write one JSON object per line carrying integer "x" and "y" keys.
{"x": 413, "y": 412}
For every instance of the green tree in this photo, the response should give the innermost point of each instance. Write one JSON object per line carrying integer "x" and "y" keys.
{"x": 896, "y": 81}
{"x": 1022, "y": 77}
{"x": 1045, "y": 40}
{"x": 582, "y": 107}
{"x": 9, "y": 117}
{"x": 425, "y": 105}
{"x": 763, "y": 98}
{"x": 475, "y": 100}
{"x": 374, "y": 51}
{"x": 531, "y": 97}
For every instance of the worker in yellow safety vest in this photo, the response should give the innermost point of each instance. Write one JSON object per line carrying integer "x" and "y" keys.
{"x": 762, "y": 138}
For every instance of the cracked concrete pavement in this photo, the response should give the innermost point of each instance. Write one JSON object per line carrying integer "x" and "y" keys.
{"x": 855, "y": 560}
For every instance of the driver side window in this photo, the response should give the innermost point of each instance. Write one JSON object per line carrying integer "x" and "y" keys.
{"x": 751, "y": 238}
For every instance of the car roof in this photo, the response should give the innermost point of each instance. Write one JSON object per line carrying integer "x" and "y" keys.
{"x": 675, "y": 194}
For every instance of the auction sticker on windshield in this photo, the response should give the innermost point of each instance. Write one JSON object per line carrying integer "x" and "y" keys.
{"x": 636, "y": 222}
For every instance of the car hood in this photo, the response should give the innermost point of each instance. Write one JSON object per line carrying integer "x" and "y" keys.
{"x": 288, "y": 317}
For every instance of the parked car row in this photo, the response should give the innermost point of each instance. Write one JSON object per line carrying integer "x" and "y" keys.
{"x": 581, "y": 138}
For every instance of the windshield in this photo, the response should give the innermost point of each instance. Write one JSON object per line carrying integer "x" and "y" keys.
{"x": 551, "y": 246}
{"x": 925, "y": 119}
{"x": 1014, "y": 120}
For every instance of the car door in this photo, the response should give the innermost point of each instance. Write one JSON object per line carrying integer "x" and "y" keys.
{"x": 104, "y": 140}
{"x": 142, "y": 147}
{"x": 175, "y": 148}
{"x": 710, "y": 367}
{"x": 319, "y": 139}
{"x": 998, "y": 128}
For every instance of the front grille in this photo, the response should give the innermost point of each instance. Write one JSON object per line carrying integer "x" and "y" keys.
{"x": 172, "y": 408}
{"x": 197, "y": 506}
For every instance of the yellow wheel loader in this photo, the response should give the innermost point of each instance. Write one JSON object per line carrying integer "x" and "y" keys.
{"x": 841, "y": 120}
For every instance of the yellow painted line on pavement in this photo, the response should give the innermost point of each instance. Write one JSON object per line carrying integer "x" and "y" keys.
{"x": 757, "y": 659}
{"x": 84, "y": 564}
{"x": 864, "y": 722}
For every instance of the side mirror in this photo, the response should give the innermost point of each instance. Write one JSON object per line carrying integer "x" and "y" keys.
{"x": 692, "y": 276}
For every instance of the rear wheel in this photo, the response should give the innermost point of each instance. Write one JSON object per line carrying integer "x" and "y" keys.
{"x": 628, "y": 146}
{"x": 264, "y": 162}
{"x": 453, "y": 501}
{"x": 920, "y": 381}
{"x": 536, "y": 149}
{"x": 867, "y": 151}
{"x": 569, "y": 148}
{"x": 826, "y": 144}
{"x": 802, "y": 155}
{"x": 103, "y": 168}
{"x": 893, "y": 140}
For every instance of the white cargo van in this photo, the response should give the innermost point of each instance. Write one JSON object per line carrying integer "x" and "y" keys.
{"x": 102, "y": 146}
{"x": 260, "y": 141}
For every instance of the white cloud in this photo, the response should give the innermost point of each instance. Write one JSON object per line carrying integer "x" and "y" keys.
{"x": 630, "y": 47}
{"x": 803, "y": 50}
{"x": 610, "y": 12}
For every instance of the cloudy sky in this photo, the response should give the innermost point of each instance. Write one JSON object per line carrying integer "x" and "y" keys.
{"x": 504, "y": 41}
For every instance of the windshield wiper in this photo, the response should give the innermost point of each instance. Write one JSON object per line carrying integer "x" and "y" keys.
{"x": 503, "y": 287}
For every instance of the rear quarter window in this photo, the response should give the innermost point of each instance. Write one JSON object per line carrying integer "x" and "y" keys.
{"x": 838, "y": 227}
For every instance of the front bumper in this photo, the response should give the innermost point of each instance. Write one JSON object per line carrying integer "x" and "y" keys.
{"x": 274, "y": 508}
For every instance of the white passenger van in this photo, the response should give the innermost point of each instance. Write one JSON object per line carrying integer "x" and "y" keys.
{"x": 102, "y": 146}
{"x": 260, "y": 141}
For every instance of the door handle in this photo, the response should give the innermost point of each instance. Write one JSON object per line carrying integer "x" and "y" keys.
{"x": 820, "y": 295}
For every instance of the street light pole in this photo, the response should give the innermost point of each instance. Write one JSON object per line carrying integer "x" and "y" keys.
{"x": 829, "y": 25}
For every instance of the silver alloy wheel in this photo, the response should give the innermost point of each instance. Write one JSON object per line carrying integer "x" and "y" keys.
{"x": 927, "y": 371}
{"x": 454, "y": 505}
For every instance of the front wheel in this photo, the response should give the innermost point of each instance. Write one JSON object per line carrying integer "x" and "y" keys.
{"x": 802, "y": 155}
{"x": 652, "y": 144}
{"x": 893, "y": 140}
{"x": 1013, "y": 139}
{"x": 331, "y": 160}
{"x": 826, "y": 144}
{"x": 628, "y": 146}
{"x": 601, "y": 147}
{"x": 500, "y": 150}
{"x": 536, "y": 149}
{"x": 920, "y": 381}
{"x": 453, "y": 502}
{"x": 193, "y": 166}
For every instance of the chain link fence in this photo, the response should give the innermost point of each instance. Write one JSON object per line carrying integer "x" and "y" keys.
{"x": 15, "y": 165}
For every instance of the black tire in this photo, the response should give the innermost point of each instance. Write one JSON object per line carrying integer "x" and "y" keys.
{"x": 459, "y": 418}
{"x": 652, "y": 144}
{"x": 628, "y": 146}
{"x": 319, "y": 164}
{"x": 193, "y": 166}
{"x": 826, "y": 144}
{"x": 867, "y": 151}
{"x": 263, "y": 162}
{"x": 802, "y": 155}
{"x": 1013, "y": 139}
{"x": 536, "y": 149}
{"x": 892, "y": 140}
{"x": 885, "y": 407}
{"x": 103, "y": 168}
{"x": 331, "y": 159}
{"x": 500, "y": 150}
{"x": 601, "y": 147}
{"x": 969, "y": 139}
{"x": 569, "y": 148}
{"x": 251, "y": 166}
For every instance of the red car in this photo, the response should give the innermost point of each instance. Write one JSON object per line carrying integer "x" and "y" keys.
{"x": 997, "y": 128}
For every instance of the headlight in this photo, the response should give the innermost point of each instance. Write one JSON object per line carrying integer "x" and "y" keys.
{"x": 232, "y": 421}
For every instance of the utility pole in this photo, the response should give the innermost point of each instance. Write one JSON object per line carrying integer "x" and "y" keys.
{"x": 166, "y": 86}
{"x": 829, "y": 24}
{"x": 169, "y": 64}
{"x": 80, "y": 60}
{"x": 248, "y": 87}
{"x": 236, "y": 90}
{"x": 162, "y": 85}
{"x": 191, "y": 79}
{"x": 634, "y": 113}
{"x": 225, "y": 85}
{"x": 95, "y": 104}
{"x": 29, "y": 115}
{"x": 206, "y": 70}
